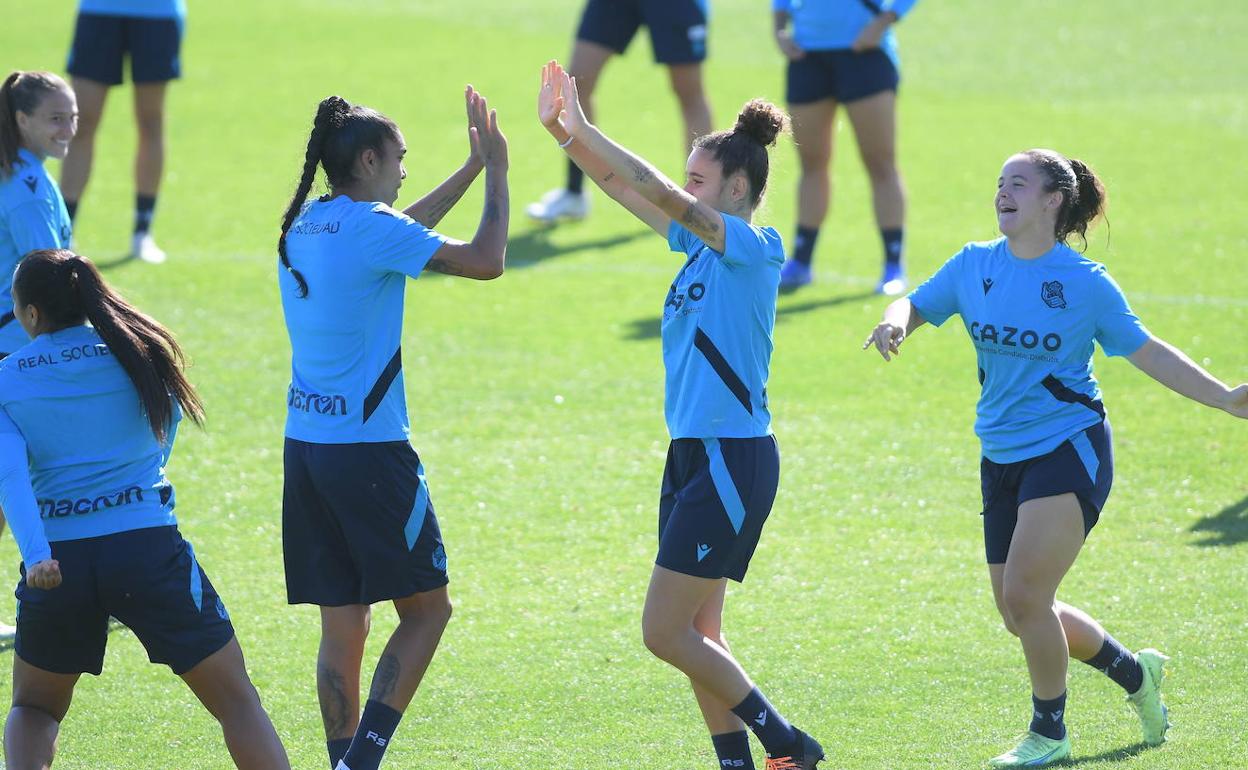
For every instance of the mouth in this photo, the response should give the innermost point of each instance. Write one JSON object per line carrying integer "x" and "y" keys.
{"x": 1006, "y": 209}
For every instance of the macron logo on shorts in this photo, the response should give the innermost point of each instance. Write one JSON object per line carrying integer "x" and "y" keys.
{"x": 703, "y": 550}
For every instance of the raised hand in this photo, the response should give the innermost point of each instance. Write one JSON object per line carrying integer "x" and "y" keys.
{"x": 550, "y": 96}
{"x": 44, "y": 574}
{"x": 487, "y": 140}
{"x": 887, "y": 339}
{"x": 574, "y": 119}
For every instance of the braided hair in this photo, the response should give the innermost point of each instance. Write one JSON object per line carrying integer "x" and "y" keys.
{"x": 340, "y": 132}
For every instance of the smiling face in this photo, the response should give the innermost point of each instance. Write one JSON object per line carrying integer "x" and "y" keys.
{"x": 50, "y": 127}
{"x": 1023, "y": 206}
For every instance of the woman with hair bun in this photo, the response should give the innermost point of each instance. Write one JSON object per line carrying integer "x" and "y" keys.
{"x": 723, "y": 464}
{"x": 1034, "y": 307}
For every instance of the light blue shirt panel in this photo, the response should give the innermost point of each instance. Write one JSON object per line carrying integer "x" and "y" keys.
{"x": 32, "y": 216}
{"x": 95, "y": 466}
{"x": 717, "y": 332}
{"x": 149, "y": 9}
{"x": 1033, "y": 324}
{"x": 828, "y": 25}
{"x": 345, "y": 334}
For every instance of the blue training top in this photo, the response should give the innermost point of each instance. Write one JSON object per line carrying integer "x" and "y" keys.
{"x": 717, "y": 326}
{"x": 829, "y": 25}
{"x": 73, "y": 432}
{"x": 32, "y": 216}
{"x": 1033, "y": 322}
{"x": 346, "y": 381}
{"x": 144, "y": 9}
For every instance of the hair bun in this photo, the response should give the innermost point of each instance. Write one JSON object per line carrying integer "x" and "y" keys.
{"x": 332, "y": 112}
{"x": 762, "y": 121}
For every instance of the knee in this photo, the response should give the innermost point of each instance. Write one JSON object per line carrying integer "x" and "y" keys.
{"x": 688, "y": 92}
{"x": 434, "y": 608}
{"x": 87, "y": 126}
{"x": 1007, "y": 620}
{"x": 1022, "y": 603}
{"x": 660, "y": 639}
{"x": 881, "y": 167}
{"x": 150, "y": 125}
{"x": 55, "y": 712}
{"x": 814, "y": 160}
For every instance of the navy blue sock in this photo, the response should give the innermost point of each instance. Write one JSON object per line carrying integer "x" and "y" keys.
{"x": 1048, "y": 717}
{"x": 576, "y": 178}
{"x": 892, "y": 245}
{"x": 1118, "y": 663}
{"x": 377, "y": 726}
{"x": 804, "y": 244}
{"x": 733, "y": 750}
{"x": 144, "y": 210}
{"x": 72, "y": 208}
{"x": 776, "y": 734}
{"x": 337, "y": 749}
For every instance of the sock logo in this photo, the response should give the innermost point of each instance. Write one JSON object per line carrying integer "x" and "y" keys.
{"x": 732, "y": 763}
{"x": 1057, "y": 715}
{"x": 761, "y": 719}
{"x": 375, "y": 738}
{"x": 703, "y": 550}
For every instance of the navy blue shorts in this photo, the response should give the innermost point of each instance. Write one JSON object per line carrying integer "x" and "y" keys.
{"x": 1083, "y": 464}
{"x": 717, "y": 493}
{"x": 102, "y": 42}
{"x": 677, "y": 27}
{"x": 358, "y": 526}
{"x": 840, "y": 74}
{"x": 148, "y": 579}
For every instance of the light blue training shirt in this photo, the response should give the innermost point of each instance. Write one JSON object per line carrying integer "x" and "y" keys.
{"x": 1033, "y": 323}
{"x": 717, "y": 332}
{"x": 32, "y": 216}
{"x": 145, "y": 9}
{"x": 346, "y": 382}
{"x": 78, "y": 458}
{"x": 830, "y": 25}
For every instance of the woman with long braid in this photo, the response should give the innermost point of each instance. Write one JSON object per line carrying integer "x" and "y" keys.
{"x": 358, "y": 525}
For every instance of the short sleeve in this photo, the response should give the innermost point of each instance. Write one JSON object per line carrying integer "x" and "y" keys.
{"x": 405, "y": 245}
{"x": 899, "y": 7}
{"x": 937, "y": 298}
{"x": 680, "y": 239}
{"x": 782, "y": 6}
{"x": 746, "y": 245}
{"x": 1119, "y": 331}
{"x": 33, "y": 226}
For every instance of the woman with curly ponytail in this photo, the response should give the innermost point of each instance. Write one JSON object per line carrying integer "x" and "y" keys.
{"x": 89, "y": 410}
{"x": 1034, "y": 307}
{"x": 723, "y": 464}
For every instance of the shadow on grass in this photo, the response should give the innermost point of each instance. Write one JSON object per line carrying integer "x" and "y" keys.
{"x": 1228, "y": 527}
{"x": 530, "y": 248}
{"x": 109, "y": 264}
{"x": 650, "y": 328}
{"x": 1113, "y": 755}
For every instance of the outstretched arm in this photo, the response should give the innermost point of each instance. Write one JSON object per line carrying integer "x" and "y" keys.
{"x": 1169, "y": 366}
{"x": 550, "y": 104}
{"x": 484, "y": 257}
{"x": 901, "y": 318}
{"x": 430, "y": 209}
{"x": 621, "y": 169}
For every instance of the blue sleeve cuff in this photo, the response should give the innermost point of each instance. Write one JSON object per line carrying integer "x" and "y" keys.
{"x": 900, "y": 7}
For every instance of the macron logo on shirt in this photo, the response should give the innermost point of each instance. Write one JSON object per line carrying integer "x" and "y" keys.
{"x": 31, "y": 182}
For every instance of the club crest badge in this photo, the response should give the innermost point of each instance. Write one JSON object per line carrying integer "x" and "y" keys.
{"x": 1051, "y": 293}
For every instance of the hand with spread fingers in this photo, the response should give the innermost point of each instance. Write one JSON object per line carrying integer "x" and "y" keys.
{"x": 887, "y": 339}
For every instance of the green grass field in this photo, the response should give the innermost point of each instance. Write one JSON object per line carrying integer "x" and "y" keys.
{"x": 536, "y": 400}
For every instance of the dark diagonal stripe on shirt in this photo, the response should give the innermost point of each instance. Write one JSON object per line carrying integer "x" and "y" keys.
{"x": 1065, "y": 394}
{"x": 383, "y": 383}
{"x": 721, "y": 367}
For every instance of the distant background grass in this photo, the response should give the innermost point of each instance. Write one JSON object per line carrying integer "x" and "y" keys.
{"x": 536, "y": 400}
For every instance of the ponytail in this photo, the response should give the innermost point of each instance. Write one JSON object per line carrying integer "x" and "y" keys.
{"x": 340, "y": 132}
{"x": 21, "y": 92}
{"x": 744, "y": 148}
{"x": 1083, "y": 193}
{"x": 68, "y": 289}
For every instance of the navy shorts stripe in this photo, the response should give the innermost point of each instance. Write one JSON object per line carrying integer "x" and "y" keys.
{"x": 383, "y": 383}
{"x": 723, "y": 369}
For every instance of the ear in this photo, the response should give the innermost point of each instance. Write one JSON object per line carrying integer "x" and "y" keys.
{"x": 369, "y": 160}
{"x": 1055, "y": 199}
{"x": 740, "y": 187}
{"x": 23, "y": 121}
